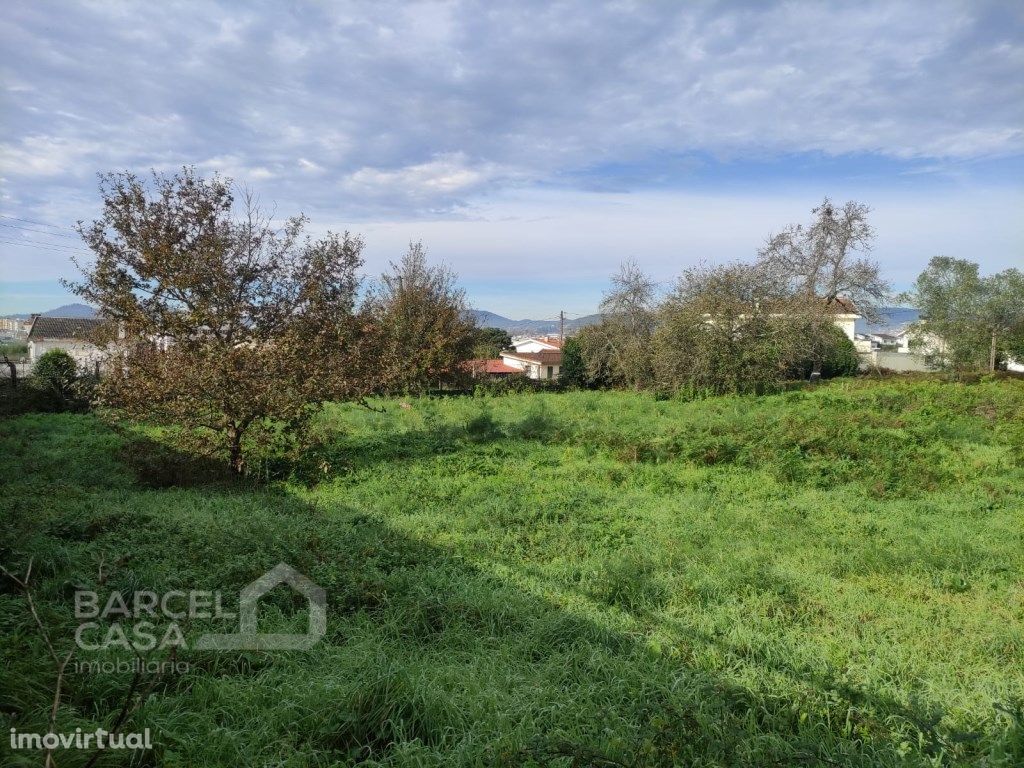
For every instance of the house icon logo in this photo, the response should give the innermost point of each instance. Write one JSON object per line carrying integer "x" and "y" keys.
{"x": 249, "y": 639}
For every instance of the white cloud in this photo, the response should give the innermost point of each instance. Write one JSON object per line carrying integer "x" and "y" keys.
{"x": 41, "y": 155}
{"x": 426, "y": 115}
{"x": 443, "y": 175}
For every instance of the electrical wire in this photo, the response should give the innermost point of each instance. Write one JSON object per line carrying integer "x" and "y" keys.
{"x": 37, "y": 231}
{"x": 30, "y": 221}
{"x": 44, "y": 246}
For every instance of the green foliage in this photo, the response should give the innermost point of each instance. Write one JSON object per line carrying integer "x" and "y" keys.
{"x": 829, "y": 576}
{"x": 574, "y": 368}
{"x": 57, "y": 371}
{"x": 838, "y": 356}
{"x": 54, "y": 385}
{"x": 425, "y": 332}
{"x": 488, "y": 342}
{"x": 15, "y": 350}
{"x": 967, "y": 321}
{"x": 617, "y": 350}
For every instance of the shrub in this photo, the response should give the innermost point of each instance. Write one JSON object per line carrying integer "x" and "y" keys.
{"x": 839, "y": 359}
{"x": 574, "y": 368}
{"x": 55, "y": 385}
{"x": 57, "y": 372}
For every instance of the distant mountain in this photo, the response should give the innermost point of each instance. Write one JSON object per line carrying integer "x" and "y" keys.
{"x": 485, "y": 319}
{"x": 893, "y": 318}
{"x": 66, "y": 310}
{"x": 71, "y": 310}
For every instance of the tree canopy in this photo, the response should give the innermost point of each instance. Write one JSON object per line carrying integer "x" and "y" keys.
{"x": 967, "y": 320}
{"x": 221, "y": 318}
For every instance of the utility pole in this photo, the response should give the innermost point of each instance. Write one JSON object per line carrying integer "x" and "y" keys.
{"x": 561, "y": 328}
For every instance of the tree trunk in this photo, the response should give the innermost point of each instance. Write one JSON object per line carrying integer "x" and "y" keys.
{"x": 235, "y": 449}
{"x": 992, "y": 353}
{"x": 816, "y": 370}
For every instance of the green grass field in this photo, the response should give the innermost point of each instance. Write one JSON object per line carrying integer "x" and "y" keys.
{"x": 827, "y": 577}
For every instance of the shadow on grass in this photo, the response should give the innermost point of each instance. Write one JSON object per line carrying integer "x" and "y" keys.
{"x": 428, "y": 659}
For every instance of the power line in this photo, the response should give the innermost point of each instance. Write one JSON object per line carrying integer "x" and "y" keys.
{"x": 37, "y": 231}
{"x": 31, "y": 221}
{"x": 44, "y": 246}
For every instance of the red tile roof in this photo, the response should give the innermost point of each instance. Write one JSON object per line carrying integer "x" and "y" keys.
{"x": 844, "y": 305}
{"x": 490, "y": 367}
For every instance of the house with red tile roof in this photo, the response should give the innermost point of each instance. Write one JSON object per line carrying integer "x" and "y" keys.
{"x": 489, "y": 368}
{"x": 546, "y": 364}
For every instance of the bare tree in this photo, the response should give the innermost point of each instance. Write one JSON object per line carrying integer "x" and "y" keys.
{"x": 826, "y": 269}
{"x": 827, "y": 260}
{"x": 618, "y": 350}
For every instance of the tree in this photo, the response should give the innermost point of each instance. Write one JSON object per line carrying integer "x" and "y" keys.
{"x": 425, "y": 329}
{"x": 488, "y": 342}
{"x": 573, "y": 372}
{"x": 618, "y": 349}
{"x": 1002, "y": 313}
{"x": 839, "y": 357}
{"x": 717, "y": 332}
{"x": 221, "y": 321}
{"x": 823, "y": 266}
{"x": 967, "y": 320}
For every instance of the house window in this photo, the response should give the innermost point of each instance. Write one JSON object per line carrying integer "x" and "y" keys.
{"x": 551, "y": 371}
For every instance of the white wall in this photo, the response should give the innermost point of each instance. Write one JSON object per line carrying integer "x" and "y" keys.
{"x": 847, "y": 324}
{"x": 895, "y": 361}
{"x": 532, "y": 370}
{"x": 84, "y": 354}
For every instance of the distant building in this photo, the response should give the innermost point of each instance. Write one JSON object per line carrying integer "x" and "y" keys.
{"x": 546, "y": 364}
{"x": 536, "y": 344}
{"x": 845, "y": 316}
{"x": 14, "y": 326}
{"x": 71, "y": 334}
{"x": 492, "y": 368}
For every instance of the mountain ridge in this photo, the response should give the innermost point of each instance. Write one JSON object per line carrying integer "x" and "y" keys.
{"x": 487, "y": 319}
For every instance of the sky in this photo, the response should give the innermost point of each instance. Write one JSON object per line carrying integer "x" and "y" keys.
{"x": 532, "y": 146}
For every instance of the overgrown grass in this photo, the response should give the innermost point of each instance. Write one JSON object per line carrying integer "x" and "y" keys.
{"x": 821, "y": 577}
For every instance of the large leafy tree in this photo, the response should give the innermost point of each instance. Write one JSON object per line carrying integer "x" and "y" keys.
{"x": 426, "y": 331}
{"x": 718, "y": 332}
{"x": 967, "y": 320}
{"x": 221, "y": 320}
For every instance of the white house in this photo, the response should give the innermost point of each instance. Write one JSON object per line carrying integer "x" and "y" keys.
{"x": 845, "y": 316}
{"x": 545, "y": 364}
{"x": 536, "y": 344}
{"x": 71, "y": 334}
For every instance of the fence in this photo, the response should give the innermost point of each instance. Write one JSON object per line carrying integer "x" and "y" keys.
{"x": 22, "y": 369}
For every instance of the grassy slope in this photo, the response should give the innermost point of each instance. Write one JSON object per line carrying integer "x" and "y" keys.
{"x": 810, "y": 578}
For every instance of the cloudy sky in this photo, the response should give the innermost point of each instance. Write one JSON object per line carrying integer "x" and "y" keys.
{"x": 531, "y": 146}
